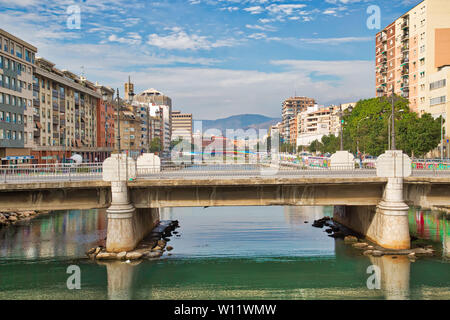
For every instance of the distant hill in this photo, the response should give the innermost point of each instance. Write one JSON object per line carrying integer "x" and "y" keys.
{"x": 242, "y": 121}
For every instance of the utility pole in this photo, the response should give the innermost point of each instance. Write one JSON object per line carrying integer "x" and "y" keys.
{"x": 393, "y": 120}
{"x": 118, "y": 122}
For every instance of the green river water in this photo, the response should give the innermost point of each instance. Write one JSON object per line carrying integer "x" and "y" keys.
{"x": 220, "y": 253}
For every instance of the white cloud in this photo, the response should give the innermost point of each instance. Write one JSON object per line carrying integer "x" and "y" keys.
{"x": 286, "y": 9}
{"x": 254, "y": 9}
{"x": 178, "y": 39}
{"x": 131, "y": 38}
{"x": 258, "y": 27}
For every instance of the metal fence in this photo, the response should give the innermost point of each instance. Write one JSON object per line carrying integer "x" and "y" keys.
{"x": 26, "y": 173}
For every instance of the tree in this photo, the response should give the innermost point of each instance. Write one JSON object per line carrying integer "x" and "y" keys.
{"x": 155, "y": 145}
{"x": 330, "y": 144}
{"x": 417, "y": 136}
{"x": 315, "y": 146}
{"x": 367, "y": 127}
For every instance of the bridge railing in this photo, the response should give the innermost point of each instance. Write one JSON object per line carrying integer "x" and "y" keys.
{"x": 50, "y": 172}
{"x": 427, "y": 167}
{"x": 215, "y": 170}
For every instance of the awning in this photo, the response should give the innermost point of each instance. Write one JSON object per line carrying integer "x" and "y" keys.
{"x": 38, "y": 125}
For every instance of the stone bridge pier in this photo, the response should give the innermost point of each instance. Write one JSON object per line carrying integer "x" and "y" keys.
{"x": 127, "y": 226}
{"x": 387, "y": 223}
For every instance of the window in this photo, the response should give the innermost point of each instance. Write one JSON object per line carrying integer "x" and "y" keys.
{"x": 1, "y": 134}
{"x": 438, "y": 100}
{"x": 2, "y": 116}
{"x": 8, "y": 117}
{"x": 1, "y": 62}
{"x": 438, "y": 84}
{"x": 19, "y": 51}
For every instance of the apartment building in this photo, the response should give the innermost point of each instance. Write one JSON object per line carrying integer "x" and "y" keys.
{"x": 182, "y": 126}
{"x": 106, "y": 109}
{"x": 65, "y": 115}
{"x": 160, "y": 107}
{"x": 316, "y": 122}
{"x": 412, "y": 58}
{"x": 290, "y": 108}
{"x": 129, "y": 130}
{"x": 17, "y": 59}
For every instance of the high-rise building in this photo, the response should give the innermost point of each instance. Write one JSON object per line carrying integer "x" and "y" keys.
{"x": 290, "y": 108}
{"x": 17, "y": 59}
{"x": 160, "y": 115}
{"x": 182, "y": 126}
{"x": 65, "y": 115}
{"x": 413, "y": 60}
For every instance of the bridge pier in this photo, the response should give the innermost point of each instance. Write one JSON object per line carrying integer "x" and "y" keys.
{"x": 127, "y": 226}
{"x": 386, "y": 224}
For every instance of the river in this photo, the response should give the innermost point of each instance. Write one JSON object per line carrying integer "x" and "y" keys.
{"x": 220, "y": 253}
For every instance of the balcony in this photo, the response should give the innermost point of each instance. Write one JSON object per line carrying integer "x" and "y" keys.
{"x": 36, "y": 103}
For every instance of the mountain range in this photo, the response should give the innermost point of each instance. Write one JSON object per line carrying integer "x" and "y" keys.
{"x": 241, "y": 121}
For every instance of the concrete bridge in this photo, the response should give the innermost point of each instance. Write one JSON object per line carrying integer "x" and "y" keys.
{"x": 373, "y": 202}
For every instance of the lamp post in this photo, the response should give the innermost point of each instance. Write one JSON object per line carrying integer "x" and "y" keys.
{"x": 393, "y": 121}
{"x": 342, "y": 127}
{"x": 118, "y": 122}
{"x": 389, "y": 129}
{"x": 442, "y": 136}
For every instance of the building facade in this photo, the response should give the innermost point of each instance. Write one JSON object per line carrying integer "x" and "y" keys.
{"x": 65, "y": 115}
{"x": 182, "y": 126}
{"x": 412, "y": 58}
{"x": 316, "y": 122}
{"x": 105, "y": 121}
{"x": 17, "y": 60}
{"x": 290, "y": 108}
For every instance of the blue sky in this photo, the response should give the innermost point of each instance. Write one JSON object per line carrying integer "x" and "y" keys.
{"x": 215, "y": 58}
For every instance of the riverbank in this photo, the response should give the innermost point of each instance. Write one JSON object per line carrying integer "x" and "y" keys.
{"x": 8, "y": 218}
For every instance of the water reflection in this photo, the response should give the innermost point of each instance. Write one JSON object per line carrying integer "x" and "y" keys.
{"x": 120, "y": 279}
{"x": 57, "y": 234}
{"x": 395, "y": 276}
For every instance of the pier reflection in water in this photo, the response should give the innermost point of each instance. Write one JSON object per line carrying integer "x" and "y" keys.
{"x": 229, "y": 253}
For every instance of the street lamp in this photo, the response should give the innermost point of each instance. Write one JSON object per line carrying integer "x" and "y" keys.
{"x": 393, "y": 120}
{"x": 118, "y": 122}
{"x": 389, "y": 130}
{"x": 342, "y": 127}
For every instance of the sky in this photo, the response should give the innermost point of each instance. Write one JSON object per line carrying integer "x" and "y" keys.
{"x": 214, "y": 58}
